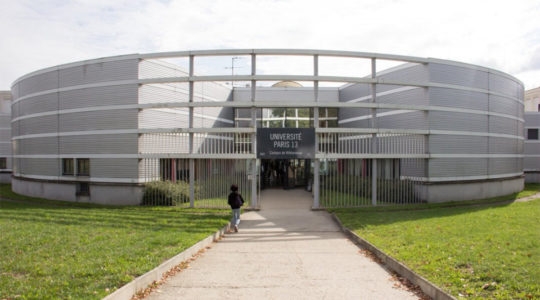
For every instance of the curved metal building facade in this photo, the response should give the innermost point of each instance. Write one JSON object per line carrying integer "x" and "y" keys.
{"x": 395, "y": 129}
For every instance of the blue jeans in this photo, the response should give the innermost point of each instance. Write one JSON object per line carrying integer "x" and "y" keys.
{"x": 235, "y": 221}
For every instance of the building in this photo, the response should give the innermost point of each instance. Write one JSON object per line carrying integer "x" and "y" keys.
{"x": 5, "y": 136}
{"x": 180, "y": 127}
{"x": 531, "y": 160}
{"x": 532, "y": 99}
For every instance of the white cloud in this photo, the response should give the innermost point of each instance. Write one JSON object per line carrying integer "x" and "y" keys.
{"x": 499, "y": 34}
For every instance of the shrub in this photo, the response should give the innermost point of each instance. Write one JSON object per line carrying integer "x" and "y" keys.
{"x": 166, "y": 193}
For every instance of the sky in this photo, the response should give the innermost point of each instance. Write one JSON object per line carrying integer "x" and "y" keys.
{"x": 503, "y": 35}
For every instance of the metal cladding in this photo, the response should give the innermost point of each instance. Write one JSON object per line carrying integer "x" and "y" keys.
{"x": 395, "y": 126}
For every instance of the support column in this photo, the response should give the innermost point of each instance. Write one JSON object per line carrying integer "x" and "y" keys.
{"x": 374, "y": 135}
{"x": 191, "y": 160}
{"x": 316, "y": 161}
{"x": 254, "y": 173}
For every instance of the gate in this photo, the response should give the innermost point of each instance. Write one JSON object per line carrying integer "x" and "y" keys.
{"x": 371, "y": 169}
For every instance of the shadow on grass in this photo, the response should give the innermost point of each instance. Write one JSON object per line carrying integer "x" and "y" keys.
{"x": 358, "y": 218}
{"x": 132, "y": 218}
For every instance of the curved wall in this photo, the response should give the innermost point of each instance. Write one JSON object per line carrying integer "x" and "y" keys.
{"x": 96, "y": 115}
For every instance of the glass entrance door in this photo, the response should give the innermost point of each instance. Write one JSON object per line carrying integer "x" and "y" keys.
{"x": 285, "y": 173}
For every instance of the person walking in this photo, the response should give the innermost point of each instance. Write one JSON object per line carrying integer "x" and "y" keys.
{"x": 236, "y": 201}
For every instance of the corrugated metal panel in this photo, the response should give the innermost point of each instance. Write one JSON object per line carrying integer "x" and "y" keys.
{"x": 99, "y": 72}
{"x": 99, "y": 96}
{"x": 5, "y": 121}
{"x": 210, "y": 117}
{"x": 532, "y": 147}
{"x": 99, "y": 120}
{"x": 242, "y": 95}
{"x": 505, "y": 85}
{"x": 38, "y": 104}
{"x": 412, "y": 96}
{"x": 503, "y": 125}
{"x": 302, "y": 95}
{"x": 39, "y": 166}
{"x": 505, "y": 166}
{"x": 413, "y": 167}
{"x": 37, "y": 83}
{"x": 350, "y": 117}
{"x": 457, "y": 167}
{"x": 457, "y": 144}
{"x": 453, "y": 121}
{"x": 43, "y": 124}
{"x": 407, "y": 73}
{"x": 164, "y": 143}
{"x": 15, "y": 91}
{"x": 498, "y": 145}
{"x": 211, "y": 91}
{"x": 5, "y": 134}
{"x": 365, "y": 123}
{"x": 532, "y": 119}
{"x": 458, "y": 75}
{"x": 504, "y": 105}
{"x": 153, "y": 69}
{"x": 99, "y": 144}
{"x": 5, "y": 149}
{"x": 114, "y": 168}
{"x": 402, "y": 119}
{"x": 164, "y": 118}
{"x": 354, "y": 91}
{"x": 458, "y": 98}
{"x": 44, "y": 145}
{"x": 531, "y": 163}
{"x": 15, "y": 111}
{"x": 164, "y": 93}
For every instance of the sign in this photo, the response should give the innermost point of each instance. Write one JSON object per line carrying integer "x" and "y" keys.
{"x": 285, "y": 143}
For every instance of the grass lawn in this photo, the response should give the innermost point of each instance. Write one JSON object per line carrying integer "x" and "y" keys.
{"x": 59, "y": 250}
{"x": 474, "y": 251}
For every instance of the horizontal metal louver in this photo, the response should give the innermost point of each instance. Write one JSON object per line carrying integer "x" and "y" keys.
{"x": 98, "y": 120}
{"x": 458, "y": 75}
{"x": 99, "y": 96}
{"x": 99, "y": 72}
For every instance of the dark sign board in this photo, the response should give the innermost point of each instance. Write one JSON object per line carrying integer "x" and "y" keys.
{"x": 285, "y": 143}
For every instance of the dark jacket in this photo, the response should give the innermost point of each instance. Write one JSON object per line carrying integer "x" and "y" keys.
{"x": 233, "y": 200}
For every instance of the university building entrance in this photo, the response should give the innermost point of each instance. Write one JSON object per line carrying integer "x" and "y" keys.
{"x": 286, "y": 173}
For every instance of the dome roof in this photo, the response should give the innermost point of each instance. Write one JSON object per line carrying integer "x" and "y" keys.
{"x": 287, "y": 83}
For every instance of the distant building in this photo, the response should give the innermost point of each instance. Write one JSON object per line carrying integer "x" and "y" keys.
{"x": 398, "y": 130}
{"x": 532, "y": 99}
{"x": 5, "y": 136}
{"x": 531, "y": 161}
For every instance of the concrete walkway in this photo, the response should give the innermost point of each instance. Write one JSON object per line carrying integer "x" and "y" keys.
{"x": 283, "y": 251}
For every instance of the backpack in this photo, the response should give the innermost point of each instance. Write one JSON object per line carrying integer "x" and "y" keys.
{"x": 237, "y": 200}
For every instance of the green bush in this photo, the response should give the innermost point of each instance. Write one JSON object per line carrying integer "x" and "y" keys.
{"x": 166, "y": 193}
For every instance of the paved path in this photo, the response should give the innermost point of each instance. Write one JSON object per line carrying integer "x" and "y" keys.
{"x": 283, "y": 251}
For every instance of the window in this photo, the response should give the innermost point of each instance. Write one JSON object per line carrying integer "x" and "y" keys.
{"x": 83, "y": 189}
{"x": 67, "y": 166}
{"x": 532, "y": 133}
{"x": 3, "y": 163}
{"x": 83, "y": 167}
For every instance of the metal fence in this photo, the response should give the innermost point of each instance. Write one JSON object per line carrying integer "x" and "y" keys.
{"x": 350, "y": 182}
{"x": 171, "y": 182}
{"x": 356, "y": 168}
{"x": 371, "y": 168}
